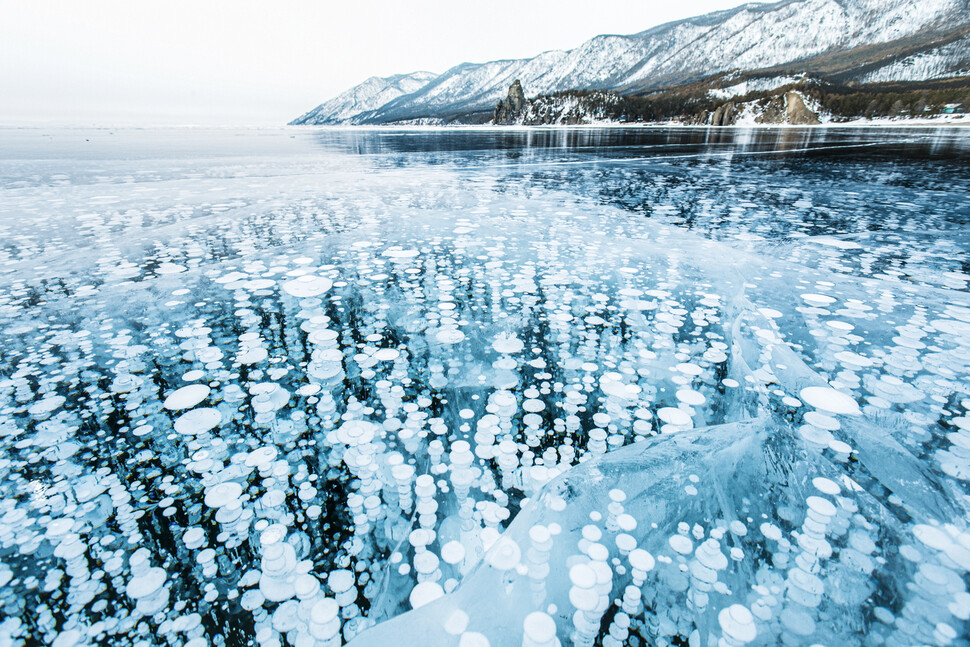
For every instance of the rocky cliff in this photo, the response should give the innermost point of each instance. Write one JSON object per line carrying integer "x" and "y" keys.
{"x": 787, "y": 108}
{"x": 562, "y": 109}
{"x": 591, "y": 107}
{"x": 802, "y": 102}
{"x": 510, "y": 111}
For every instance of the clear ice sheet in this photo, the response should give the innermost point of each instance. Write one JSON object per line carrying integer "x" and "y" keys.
{"x": 230, "y": 359}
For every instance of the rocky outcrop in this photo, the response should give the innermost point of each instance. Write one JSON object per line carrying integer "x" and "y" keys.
{"x": 725, "y": 115}
{"x": 796, "y": 112}
{"x": 785, "y": 106}
{"x": 773, "y": 112}
{"x": 571, "y": 108}
{"x": 511, "y": 110}
{"x": 788, "y": 108}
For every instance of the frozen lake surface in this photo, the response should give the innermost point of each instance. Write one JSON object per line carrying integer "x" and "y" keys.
{"x": 485, "y": 387}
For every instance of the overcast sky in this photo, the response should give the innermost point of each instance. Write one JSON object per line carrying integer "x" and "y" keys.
{"x": 241, "y": 62}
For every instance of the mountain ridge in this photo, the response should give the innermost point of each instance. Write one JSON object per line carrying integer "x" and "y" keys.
{"x": 372, "y": 93}
{"x": 748, "y": 37}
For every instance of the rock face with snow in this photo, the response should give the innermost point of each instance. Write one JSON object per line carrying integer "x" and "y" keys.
{"x": 563, "y": 109}
{"x": 796, "y": 112}
{"x": 788, "y": 108}
{"x": 510, "y": 110}
{"x": 725, "y": 115}
{"x": 749, "y": 37}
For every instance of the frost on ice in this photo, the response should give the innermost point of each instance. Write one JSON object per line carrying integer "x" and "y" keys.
{"x": 438, "y": 406}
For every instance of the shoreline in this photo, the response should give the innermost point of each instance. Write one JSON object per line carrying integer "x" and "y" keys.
{"x": 861, "y": 124}
{"x": 960, "y": 123}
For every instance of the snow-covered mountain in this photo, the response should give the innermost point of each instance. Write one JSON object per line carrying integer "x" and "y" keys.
{"x": 369, "y": 95}
{"x": 758, "y": 36}
{"x": 749, "y": 37}
{"x": 945, "y": 61}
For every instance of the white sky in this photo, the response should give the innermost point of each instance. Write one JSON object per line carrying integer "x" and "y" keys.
{"x": 241, "y": 62}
